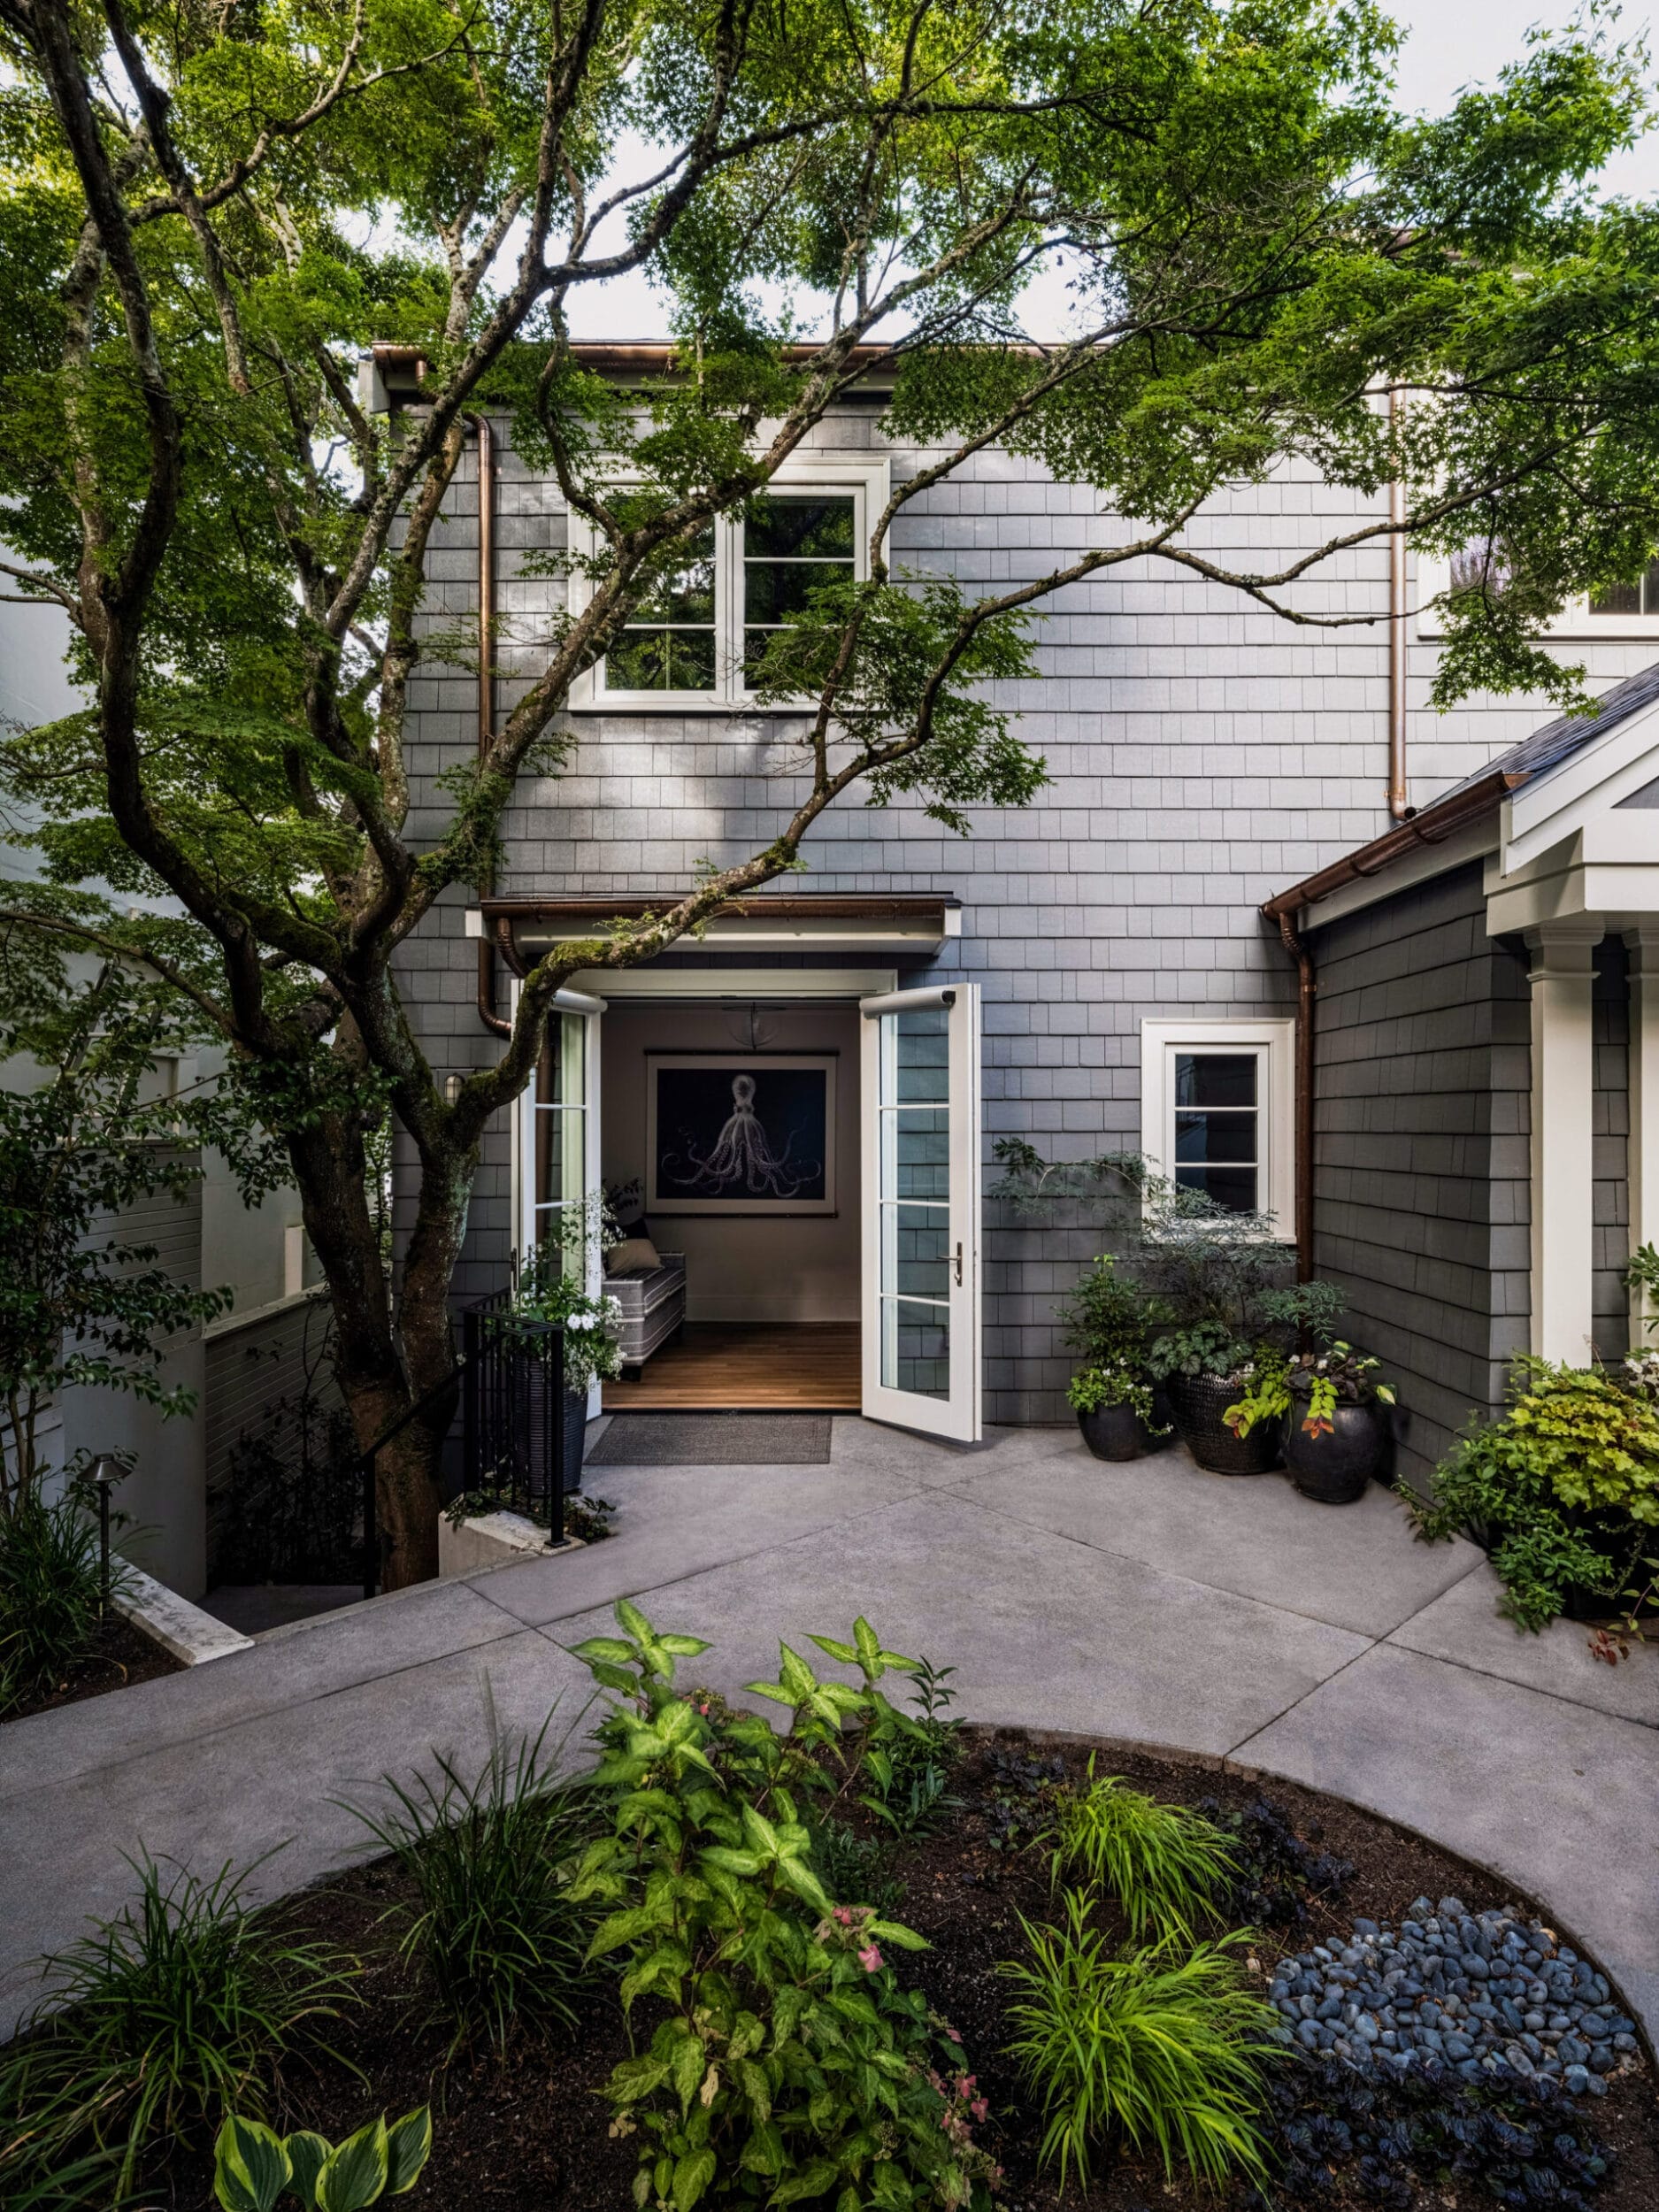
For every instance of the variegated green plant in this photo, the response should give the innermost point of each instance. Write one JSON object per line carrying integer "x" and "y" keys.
{"x": 255, "y": 2168}
{"x": 787, "y": 2063}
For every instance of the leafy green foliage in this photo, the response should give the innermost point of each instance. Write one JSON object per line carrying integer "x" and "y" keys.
{"x": 1167, "y": 2049}
{"x": 255, "y": 2168}
{"x": 493, "y": 1921}
{"x": 787, "y": 2061}
{"x": 907, "y": 1757}
{"x": 855, "y": 1869}
{"x": 1168, "y": 1868}
{"x": 1266, "y": 1395}
{"x": 50, "y": 1593}
{"x": 1563, "y": 1488}
{"x": 1109, "y": 1320}
{"x": 553, "y": 1288}
{"x": 185, "y": 2004}
{"x": 1092, "y": 1387}
{"x": 80, "y": 1304}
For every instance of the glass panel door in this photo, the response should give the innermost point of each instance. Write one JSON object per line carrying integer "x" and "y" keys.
{"x": 558, "y": 1147}
{"x": 921, "y": 1198}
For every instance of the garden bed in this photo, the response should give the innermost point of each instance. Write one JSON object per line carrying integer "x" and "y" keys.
{"x": 122, "y": 1655}
{"x": 532, "y": 2132}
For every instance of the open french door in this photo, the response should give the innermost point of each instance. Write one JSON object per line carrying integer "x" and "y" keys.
{"x": 922, "y": 1319}
{"x": 559, "y": 1130}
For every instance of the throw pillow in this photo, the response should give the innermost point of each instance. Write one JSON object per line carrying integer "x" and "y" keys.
{"x": 632, "y": 1252}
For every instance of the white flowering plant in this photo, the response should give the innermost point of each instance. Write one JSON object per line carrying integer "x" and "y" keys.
{"x": 552, "y": 1289}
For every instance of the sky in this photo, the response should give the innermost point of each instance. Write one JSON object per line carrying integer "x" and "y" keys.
{"x": 1450, "y": 44}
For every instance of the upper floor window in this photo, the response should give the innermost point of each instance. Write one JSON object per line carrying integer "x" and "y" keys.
{"x": 1641, "y": 597}
{"x": 700, "y": 635}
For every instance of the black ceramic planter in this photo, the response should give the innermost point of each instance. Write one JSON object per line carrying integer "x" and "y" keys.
{"x": 575, "y": 1438}
{"x": 1197, "y": 1402}
{"x": 1334, "y": 1469}
{"x": 1113, "y": 1431}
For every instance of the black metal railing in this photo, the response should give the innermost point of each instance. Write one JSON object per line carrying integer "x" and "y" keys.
{"x": 513, "y": 1422}
{"x": 513, "y": 1411}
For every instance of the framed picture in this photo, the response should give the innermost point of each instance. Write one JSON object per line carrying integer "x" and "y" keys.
{"x": 733, "y": 1132}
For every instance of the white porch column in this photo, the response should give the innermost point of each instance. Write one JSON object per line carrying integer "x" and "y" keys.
{"x": 1644, "y": 1109}
{"x": 1564, "y": 1085}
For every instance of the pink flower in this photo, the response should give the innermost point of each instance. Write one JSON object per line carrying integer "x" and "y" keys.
{"x": 870, "y": 1958}
{"x": 978, "y": 2107}
{"x": 843, "y": 1913}
{"x": 951, "y": 2032}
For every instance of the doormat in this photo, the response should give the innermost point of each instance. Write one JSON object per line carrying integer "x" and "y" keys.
{"x": 712, "y": 1440}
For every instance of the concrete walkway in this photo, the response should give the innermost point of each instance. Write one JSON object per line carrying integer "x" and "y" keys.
{"x": 1148, "y": 1601}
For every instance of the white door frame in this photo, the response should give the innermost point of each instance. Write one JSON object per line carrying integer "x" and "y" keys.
{"x": 591, "y": 1009}
{"x": 960, "y": 1415}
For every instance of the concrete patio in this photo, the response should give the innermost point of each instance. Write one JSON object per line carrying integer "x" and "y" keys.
{"x": 1149, "y": 1601}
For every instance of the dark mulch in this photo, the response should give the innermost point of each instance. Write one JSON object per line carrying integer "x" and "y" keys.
{"x": 123, "y": 1655}
{"x": 532, "y": 2133}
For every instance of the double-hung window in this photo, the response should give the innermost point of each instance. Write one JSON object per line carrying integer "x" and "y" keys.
{"x": 700, "y": 635}
{"x": 1217, "y": 1105}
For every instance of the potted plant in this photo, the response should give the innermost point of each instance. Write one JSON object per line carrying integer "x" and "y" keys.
{"x": 1236, "y": 1317}
{"x": 1110, "y": 1320}
{"x": 551, "y": 1290}
{"x": 1333, "y": 1434}
{"x": 1114, "y": 1411}
{"x": 1562, "y": 1490}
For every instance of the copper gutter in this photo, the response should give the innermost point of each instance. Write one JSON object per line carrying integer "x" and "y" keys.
{"x": 586, "y": 908}
{"x": 486, "y": 1012}
{"x": 1307, "y": 992}
{"x": 1433, "y": 825}
{"x": 1397, "y": 802}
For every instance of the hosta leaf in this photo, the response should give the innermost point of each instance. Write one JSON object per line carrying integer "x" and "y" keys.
{"x": 308, "y": 2154}
{"x": 408, "y": 2147}
{"x": 354, "y": 2172}
{"x": 250, "y": 2166}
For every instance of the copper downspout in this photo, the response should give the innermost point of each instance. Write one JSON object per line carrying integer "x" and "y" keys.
{"x": 486, "y": 1012}
{"x": 1397, "y": 805}
{"x": 1306, "y": 989}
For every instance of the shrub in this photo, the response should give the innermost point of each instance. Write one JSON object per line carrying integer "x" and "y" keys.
{"x": 1108, "y": 1319}
{"x": 50, "y": 1596}
{"x": 908, "y": 1758}
{"x": 1167, "y": 1866}
{"x": 185, "y": 2003}
{"x": 1092, "y": 1387}
{"x": 855, "y": 1870}
{"x": 1166, "y": 2050}
{"x": 786, "y": 2061}
{"x": 492, "y": 1924}
{"x": 1563, "y": 1489}
{"x": 254, "y": 2169}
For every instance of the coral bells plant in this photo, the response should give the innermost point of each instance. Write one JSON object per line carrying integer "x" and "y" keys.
{"x": 788, "y": 2061}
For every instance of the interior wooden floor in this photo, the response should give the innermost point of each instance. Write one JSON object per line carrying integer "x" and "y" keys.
{"x": 717, "y": 1368}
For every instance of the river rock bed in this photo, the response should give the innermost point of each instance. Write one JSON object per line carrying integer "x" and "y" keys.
{"x": 1478, "y": 1991}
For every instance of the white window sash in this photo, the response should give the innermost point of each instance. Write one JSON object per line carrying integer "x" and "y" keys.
{"x": 866, "y": 477}
{"x": 1273, "y": 1041}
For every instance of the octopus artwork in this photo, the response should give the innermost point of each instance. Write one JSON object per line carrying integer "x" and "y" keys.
{"x": 727, "y": 1138}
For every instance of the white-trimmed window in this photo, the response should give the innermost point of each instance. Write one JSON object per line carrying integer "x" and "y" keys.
{"x": 1620, "y": 611}
{"x": 1218, "y": 1107}
{"x": 696, "y": 638}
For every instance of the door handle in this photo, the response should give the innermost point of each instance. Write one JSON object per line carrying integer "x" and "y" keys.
{"x": 958, "y": 1267}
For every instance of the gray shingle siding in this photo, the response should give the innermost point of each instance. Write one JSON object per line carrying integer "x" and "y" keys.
{"x": 1423, "y": 1067}
{"x": 1201, "y": 755}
